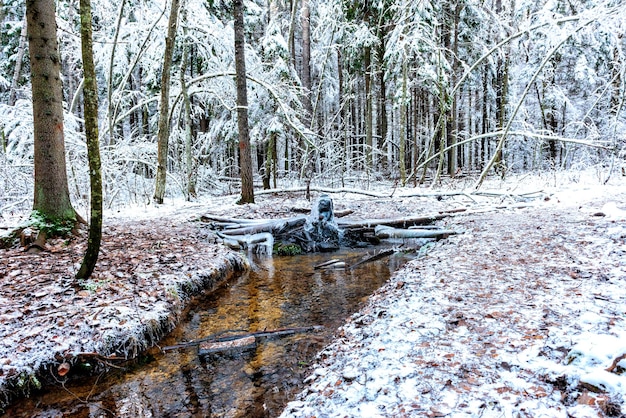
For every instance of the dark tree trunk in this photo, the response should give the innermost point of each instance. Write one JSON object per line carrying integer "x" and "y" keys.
{"x": 306, "y": 60}
{"x": 342, "y": 122}
{"x": 90, "y": 93}
{"x": 190, "y": 172}
{"x": 164, "y": 126}
{"x": 51, "y": 196}
{"x": 382, "y": 104}
{"x": 17, "y": 72}
{"x": 369, "y": 117}
{"x": 245, "y": 154}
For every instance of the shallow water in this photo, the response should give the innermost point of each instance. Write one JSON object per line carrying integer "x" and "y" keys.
{"x": 279, "y": 292}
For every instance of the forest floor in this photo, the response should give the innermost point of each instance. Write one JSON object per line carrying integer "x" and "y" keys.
{"x": 520, "y": 314}
{"x": 53, "y": 326}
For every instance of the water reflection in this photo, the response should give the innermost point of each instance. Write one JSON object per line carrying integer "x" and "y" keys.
{"x": 282, "y": 292}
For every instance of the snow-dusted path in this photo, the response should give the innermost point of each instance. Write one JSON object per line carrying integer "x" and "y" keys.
{"x": 518, "y": 316}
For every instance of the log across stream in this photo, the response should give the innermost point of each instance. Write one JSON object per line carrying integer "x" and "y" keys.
{"x": 279, "y": 293}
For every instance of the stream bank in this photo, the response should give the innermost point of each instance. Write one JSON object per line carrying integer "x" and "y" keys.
{"x": 251, "y": 382}
{"x": 54, "y": 328}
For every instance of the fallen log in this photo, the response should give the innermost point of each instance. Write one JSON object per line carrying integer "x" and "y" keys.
{"x": 338, "y": 213}
{"x": 226, "y": 220}
{"x": 259, "y": 334}
{"x": 410, "y": 193}
{"x": 404, "y": 222}
{"x": 384, "y": 232}
{"x": 248, "y": 242}
{"x": 323, "y": 190}
{"x": 273, "y": 225}
{"x": 382, "y": 254}
{"x": 343, "y": 212}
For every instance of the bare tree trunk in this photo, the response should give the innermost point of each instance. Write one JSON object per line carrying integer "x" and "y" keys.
{"x": 502, "y": 83}
{"x": 270, "y": 162}
{"x": 403, "y": 130}
{"x": 17, "y": 72}
{"x": 164, "y": 125}
{"x": 110, "y": 110}
{"x": 306, "y": 60}
{"x": 382, "y": 106}
{"x": 245, "y": 155}
{"x": 51, "y": 197}
{"x": 501, "y": 97}
{"x": 417, "y": 116}
{"x": 292, "y": 30}
{"x": 308, "y": 157}
{"x": 368, "y": 109}
{"x": 189, "y": 166}
{"x": 90, "y": 93}
{"x": 342, "y": 123}
{"x": 452, "y": 120}
{"x": 484, "y": 151}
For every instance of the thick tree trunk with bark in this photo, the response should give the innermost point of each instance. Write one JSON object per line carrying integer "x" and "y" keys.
{"x": 245, "y": 154}
{"x": 164, "y": 126}
{"x": 52, "y": 197}
{"x": 90, "y": 93}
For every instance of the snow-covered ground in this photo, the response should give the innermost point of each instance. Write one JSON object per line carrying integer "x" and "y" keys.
{"x": 522, "y": 314}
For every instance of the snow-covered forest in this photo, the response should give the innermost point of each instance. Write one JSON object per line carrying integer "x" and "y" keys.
{"x": 339, "y": 92}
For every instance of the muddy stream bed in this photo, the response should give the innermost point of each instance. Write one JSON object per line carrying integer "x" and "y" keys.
{"x": 279, "y": 292}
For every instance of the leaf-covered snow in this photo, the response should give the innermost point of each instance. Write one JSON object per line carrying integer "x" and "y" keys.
{"x": 520, "y": 315}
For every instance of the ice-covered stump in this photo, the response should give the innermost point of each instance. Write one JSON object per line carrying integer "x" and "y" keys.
{"x": 321, "y": 229}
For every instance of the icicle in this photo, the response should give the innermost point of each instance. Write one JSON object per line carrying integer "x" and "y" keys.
{"x": 261, "y": 243}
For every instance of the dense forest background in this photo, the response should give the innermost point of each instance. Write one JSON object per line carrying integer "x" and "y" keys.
{"x": 340, "y": 92}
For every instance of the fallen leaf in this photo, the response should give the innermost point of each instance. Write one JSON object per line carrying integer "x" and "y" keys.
{"x": 63, "y": 369}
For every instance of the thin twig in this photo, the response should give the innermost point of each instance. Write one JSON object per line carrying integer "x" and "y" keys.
{"x": 615, "y": 362}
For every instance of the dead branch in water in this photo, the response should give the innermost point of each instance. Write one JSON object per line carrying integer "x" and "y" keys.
{"x": 382, "y": 254}
{"x": 327, "y": 264}
{"x": 259, "y": 334}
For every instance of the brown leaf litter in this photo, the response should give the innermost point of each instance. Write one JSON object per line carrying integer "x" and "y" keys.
{"x": 146, "y": 273}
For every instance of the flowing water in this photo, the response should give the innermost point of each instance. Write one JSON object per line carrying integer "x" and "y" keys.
{"x": 279, "y": 292}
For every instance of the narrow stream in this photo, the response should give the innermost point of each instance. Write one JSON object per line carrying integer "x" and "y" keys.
{"x": 279, "y": 292}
